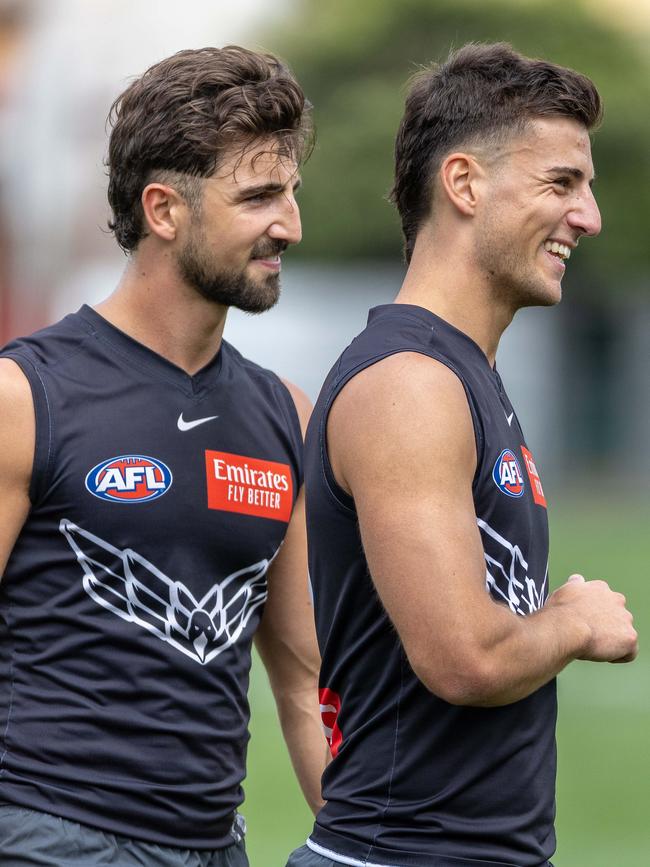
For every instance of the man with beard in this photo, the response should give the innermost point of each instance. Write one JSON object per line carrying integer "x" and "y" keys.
{"x": 152, "y": 514}
{"x": 439, "y": 697}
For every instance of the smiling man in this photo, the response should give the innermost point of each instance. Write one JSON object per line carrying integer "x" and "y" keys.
{"x": 152, "y": 516}
{"x": 427, "y": 518}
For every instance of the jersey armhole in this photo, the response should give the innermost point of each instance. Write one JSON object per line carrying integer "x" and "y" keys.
{"x": 340, "y": 497}
{"x": 43, "y": 428}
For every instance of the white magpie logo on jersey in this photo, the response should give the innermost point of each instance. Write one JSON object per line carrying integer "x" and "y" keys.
{"x": 129, "y": 479}
{"x": 131, "y": 587}
{"x": 507, "y": 474}
{"x": 507, "y": 575}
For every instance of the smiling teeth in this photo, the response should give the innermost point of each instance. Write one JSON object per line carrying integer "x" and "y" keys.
{"x": 559, "y": 249}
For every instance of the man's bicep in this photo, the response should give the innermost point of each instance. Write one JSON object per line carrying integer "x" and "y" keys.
{"x": 286, "y": 638}
{"x": 17, "y": 436}
{"x": 402, "y": 439}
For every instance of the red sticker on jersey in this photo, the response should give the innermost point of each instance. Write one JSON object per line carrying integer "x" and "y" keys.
{"x": 249, "y": 486}
{"x": 330, "y": 706}
{"x": 533, "y": 475}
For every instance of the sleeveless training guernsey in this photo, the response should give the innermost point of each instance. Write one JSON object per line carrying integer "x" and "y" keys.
{"x": 129, "y": 602}
{"x": 415, "y": 781}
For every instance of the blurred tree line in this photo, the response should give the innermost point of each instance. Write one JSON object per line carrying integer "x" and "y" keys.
{"x": 354, "y": 59}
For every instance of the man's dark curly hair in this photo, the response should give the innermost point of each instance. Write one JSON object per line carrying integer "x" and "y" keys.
{"x": 481, "y": 95}
{"x": 176, "y": 122}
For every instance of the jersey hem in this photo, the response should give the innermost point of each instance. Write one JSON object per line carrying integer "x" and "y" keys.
{"x": 387, "y": 857}
{"x": 224, "y": 831}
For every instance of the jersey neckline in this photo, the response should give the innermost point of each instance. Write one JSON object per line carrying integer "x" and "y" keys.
{"x": 432, "y": 320}
{"x": 194, "y": 384}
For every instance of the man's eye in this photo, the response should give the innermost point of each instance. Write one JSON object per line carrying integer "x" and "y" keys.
{"x": 563, "y": 182}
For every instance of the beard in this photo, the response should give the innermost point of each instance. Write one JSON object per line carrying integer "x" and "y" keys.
{"x": 231, "y": 288}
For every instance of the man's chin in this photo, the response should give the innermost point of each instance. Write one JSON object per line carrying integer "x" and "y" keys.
{"x": 547, "y": 298}
{"x": 251, "y": 295}
{"x": 258, "y": 296}
{"x": 553, "y": 295}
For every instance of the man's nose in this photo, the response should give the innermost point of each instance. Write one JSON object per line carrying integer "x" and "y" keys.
{"x": 585, "y": 216}
{"x": 286, "y": 225}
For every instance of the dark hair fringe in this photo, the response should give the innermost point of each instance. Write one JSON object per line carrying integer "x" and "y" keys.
{"x": 185, "y": 112}
{"x": 482, "y": 92}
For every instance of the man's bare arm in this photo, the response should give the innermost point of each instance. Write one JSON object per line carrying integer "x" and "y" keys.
{"x": 401, "y": 441}
{"x": 286, "y": 641}
{"x": 17, "y": 434}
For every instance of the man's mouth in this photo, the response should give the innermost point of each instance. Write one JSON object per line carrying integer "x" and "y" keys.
{"x": 562, "y": 251}
{"x": 268, "y": 255}
{"x": 268, "y": 261}
{"x": 270, "y": 252}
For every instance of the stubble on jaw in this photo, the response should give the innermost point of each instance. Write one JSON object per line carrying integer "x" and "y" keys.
{"x": 510, "y": 269}
{"x": 228, "y": 287}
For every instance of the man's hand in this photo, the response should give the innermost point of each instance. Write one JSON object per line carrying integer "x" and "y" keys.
{"x": 609, "y": 634}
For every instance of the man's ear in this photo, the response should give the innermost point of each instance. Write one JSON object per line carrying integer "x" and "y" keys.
{"x": 460, "y": 177}
{"x": 163, "y": 210}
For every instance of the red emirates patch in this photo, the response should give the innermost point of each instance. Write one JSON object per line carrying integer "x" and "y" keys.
{"x": 533, "y": 475}
{"x": 249, "y": 486}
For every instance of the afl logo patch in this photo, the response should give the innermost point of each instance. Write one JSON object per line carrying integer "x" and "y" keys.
{"x": 507, "y": 474}
{"x": 129, "y": 479}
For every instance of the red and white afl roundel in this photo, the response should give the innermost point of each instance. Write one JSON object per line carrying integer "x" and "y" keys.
{"x": 129, "y": 479}
{"x": 507, "y": 474}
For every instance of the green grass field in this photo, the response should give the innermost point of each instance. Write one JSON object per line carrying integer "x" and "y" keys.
{"x": 604, "y": 726}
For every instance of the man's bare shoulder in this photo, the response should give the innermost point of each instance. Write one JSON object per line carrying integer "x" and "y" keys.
{"x": 17, "y": 426}
{"x": 406, "y": 382}
{"x": 17, "y": 437}
{"x": 405, "y": 412}
{"x": 15, "y": 392}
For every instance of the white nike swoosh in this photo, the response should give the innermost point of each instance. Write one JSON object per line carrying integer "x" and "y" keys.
{"x": 509, "y": 418}
{"x": 188, "y": 425}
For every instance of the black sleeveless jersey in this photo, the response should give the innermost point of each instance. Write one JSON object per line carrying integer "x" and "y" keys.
{"x": 129, "y": 602}
{"x": 415, "y": 781}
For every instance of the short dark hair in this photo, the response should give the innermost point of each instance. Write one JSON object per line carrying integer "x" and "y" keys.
{"x": 175, "y": 123}
{"x": 482, "y": 93}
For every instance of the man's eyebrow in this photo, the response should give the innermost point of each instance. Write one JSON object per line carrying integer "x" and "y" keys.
{"x": 576, "y": 173}
{"x": 265, "y": 189}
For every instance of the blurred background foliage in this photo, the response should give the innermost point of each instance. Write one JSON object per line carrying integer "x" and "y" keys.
{"x": 578, "y": 373}
{"x": 354, "y": 60}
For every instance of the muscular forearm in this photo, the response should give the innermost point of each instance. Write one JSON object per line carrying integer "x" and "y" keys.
{"x": 505, "y": 657}
{"x": 500, "y": 664}
{"x": 292, "y": 664}
{"x": 301, "y": 726}
{"x": 526, "y": 655}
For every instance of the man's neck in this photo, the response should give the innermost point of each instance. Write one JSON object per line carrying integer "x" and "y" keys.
{"x": 153, "y": 307}
{"x": 442, "y": 280}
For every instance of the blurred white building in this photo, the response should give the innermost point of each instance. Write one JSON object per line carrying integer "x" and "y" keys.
{"x": 77, "y": 56}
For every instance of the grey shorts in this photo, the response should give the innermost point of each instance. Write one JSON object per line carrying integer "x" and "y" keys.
{"x": 32, "y": 839}
{"x": 304, "y": 857}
